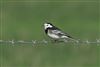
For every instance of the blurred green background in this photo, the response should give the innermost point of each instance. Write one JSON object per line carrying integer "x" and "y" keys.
{"x": 24, "y": 19}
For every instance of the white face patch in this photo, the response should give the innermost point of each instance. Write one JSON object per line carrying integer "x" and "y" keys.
{"x": 47, "y": 26}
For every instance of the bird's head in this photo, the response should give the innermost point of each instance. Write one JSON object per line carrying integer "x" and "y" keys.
{"x": 48, "y": 25}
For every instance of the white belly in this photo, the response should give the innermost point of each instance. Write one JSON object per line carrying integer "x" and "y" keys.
{"x": 53, "y": 36}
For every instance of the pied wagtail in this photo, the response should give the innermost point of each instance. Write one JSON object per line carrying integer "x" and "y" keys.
{"x": 55, "y": 33}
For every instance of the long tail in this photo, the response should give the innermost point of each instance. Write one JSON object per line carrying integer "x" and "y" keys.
{"x": 76, "y": 40}
{"x": 71, "y": 38}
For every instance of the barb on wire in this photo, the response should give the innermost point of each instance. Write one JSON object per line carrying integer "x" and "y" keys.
{"x": 98, "y": 40}
{"x": 34, "y": 41}
{"x": 87, "y": 41}
{"x": 46, "y": 42}
{"x": 1, "y": 41}
{"x": 12, "y": 41}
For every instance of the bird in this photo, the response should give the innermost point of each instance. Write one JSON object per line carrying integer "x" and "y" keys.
{"x": 55, "y": 33}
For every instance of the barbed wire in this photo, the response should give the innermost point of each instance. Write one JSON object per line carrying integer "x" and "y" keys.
{"x": 97, "y": 41}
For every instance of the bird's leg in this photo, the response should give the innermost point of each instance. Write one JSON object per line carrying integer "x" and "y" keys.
{"x": 65, "y": 40}
{"x": 54, "y": 41}
{"x": 59, "y": 41}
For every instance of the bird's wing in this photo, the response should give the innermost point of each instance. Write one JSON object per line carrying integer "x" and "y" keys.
{"x": 60, "y": 33}
{"x": 57, "y": 32}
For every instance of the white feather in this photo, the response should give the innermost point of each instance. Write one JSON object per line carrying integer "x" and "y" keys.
{"x": 53, "y": 36}
{"x": 64, "y": 37}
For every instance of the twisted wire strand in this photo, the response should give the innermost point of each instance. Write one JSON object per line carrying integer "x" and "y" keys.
{"x": 97, "y": 41}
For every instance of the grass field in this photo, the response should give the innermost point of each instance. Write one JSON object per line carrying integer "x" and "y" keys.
{"x": 23, "y": 20}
